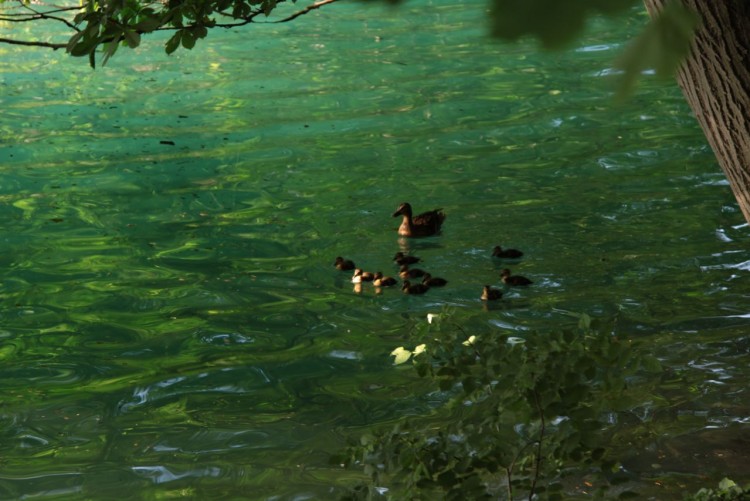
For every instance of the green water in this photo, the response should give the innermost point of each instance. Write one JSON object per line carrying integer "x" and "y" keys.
{"x": 172, "y": 324}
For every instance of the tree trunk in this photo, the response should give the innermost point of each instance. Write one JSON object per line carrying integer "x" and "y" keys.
{"x": 716, "y": 82}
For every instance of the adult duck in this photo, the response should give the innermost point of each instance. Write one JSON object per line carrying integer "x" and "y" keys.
{"x": 381, "y": 281}
{"x": 422, "y": 225}
{"x": 490, "y": 294}
{"x": 409, "y": 288}
{"x": 514, "y": 280}
{"x": 501, "y": 253}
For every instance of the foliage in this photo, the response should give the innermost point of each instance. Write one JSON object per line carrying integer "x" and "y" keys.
{"x": 552, "y": 22}
{"x": 520, "y": 411}
{"x": 726, "y": 491}
{"x": 106, "y": 25}
{"x": 662, "y": 46}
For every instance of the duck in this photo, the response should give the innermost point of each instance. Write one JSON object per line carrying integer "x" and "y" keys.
{"x": 422, "y": 225}
{"x": 380, "y": 281}
{"x": 431, "y": 281}
{"x": 406, "y": 272}
{"x": 362, "y": 276}
{"x": 401, "y": 259}
{"x": 409, "y": 288}
{"x": 490, "y": 294}
{"x": 501, "y": 253}
{"x": 344, "y": 264}
{"x": 515, "y": 280}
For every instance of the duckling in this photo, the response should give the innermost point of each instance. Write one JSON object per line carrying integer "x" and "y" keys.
{"x": 362, "y": 276}
{"x": 490, "y": 294}
{"x": 401, "y": 259}
{"x": 515, "y": 280}
{"x": 381, "y": 281}
{"x": 406, "y": 272}
{"x": 344, "y": 264}
{"x": 431, "y": 281}
{"x": 501, "y": 253}
{"x": 422, "y": 225}
{"x": 408, "y": 288}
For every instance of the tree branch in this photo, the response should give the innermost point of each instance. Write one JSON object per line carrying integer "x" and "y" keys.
{"x": 314, "y": 6}
{"x": 49, "y": 45}
{"x": 45, "y": 15}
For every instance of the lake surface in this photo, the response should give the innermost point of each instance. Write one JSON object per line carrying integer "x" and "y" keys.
{"x": 173, "y": 325}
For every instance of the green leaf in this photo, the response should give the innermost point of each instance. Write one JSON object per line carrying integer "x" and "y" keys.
{"x": 148, "y": 25}
{"x": 268, "y": 6}
{"x": 553, "y": 22}
{"x": 84, "y": 47}
{"x": 132, "y": 38}
{"x": 727, "y": 484}
{"x": 109, "y": 49}
{"x": 173, "y": 42}
{"x": 662, "y": 46}
{"x": 188, "y": 39}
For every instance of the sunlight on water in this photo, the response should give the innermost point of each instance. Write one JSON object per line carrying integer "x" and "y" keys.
{"x": 173, "y": 324}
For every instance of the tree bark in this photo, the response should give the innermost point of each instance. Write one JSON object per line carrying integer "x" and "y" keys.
{"x": 715, "y": 79}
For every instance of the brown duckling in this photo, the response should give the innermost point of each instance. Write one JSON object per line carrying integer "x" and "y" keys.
{"x": 406, "y": 272}
{"x": 362, "y": 276}
{"x": 431, "y": 281}
{"x": 344, "y": 264}
{"x": 490, "y": 294}
{"x": 381, "y": 281}
{"x": 515, "y": 280}
{"x": 409, "y": 288}
{"x": 501, "y": 253}
{"x": 401, "y": 259}
{"x": 422, "y": 225}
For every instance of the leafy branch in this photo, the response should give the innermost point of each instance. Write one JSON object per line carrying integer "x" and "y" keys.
{"x": 519, "y": 411}
{"x": 104, "y": 26}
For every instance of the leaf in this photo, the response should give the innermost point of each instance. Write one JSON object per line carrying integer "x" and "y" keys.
{"x": 727, "y": 484}
{"x": 84, "y": 47}
{"x": 132, "y": 38}
{"x": 188, "y": 39}
{"x": 173, "y": 42}
{"x": 552, "y": 22}
{"x": 584, "y": 322}
{"x": 470, "y": 341}
{"x": 109, "y": 49}
{"x": 148, "y": 25}
{"x": 420, "y": 349}
{"x": 661, "y": 46}
{"x": 268, "y": 6}
{"x": 401, "y": 354}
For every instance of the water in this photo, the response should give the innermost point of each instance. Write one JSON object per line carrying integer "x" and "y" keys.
{"x": 172, "y": 325}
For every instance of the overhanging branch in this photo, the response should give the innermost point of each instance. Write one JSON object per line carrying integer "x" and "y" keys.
{"x": 27, "y": 43}
{"x": 309, "y": 8}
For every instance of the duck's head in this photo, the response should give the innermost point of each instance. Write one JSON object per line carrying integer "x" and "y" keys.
{"x": 505, "y": 272}
{"x": 403, "y": 209}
